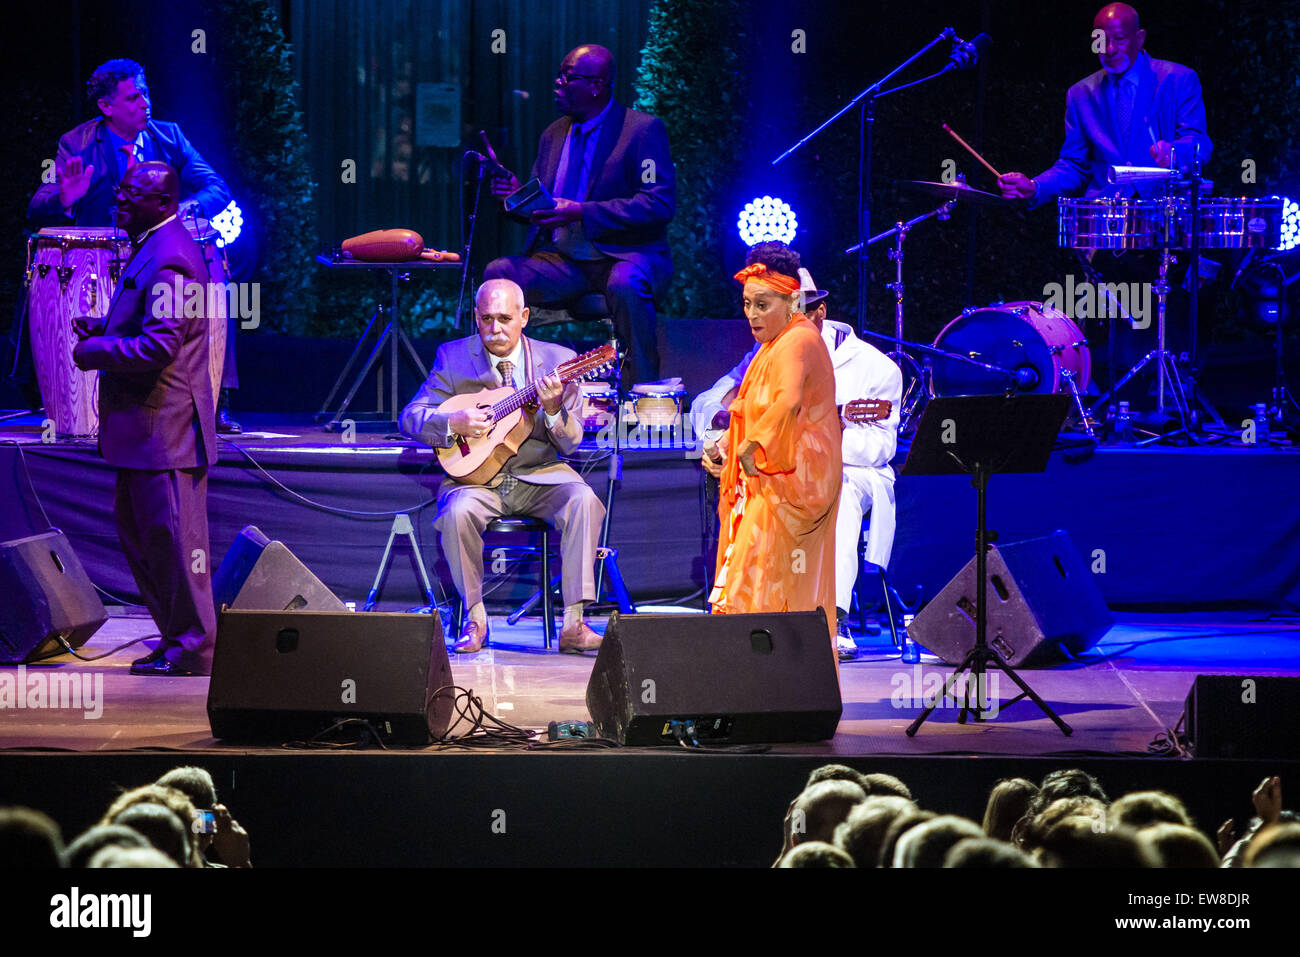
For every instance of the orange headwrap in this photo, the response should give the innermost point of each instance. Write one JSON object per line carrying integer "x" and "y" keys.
{"x": 786, "y": 285}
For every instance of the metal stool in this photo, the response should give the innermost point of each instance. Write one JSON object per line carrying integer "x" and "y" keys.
{"x": 526, "y": 524}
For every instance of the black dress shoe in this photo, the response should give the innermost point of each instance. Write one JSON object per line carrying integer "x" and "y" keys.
{"x": 149, "y": 658}
{"x": 226, "y": 424}
{"x": 162, "y": 668}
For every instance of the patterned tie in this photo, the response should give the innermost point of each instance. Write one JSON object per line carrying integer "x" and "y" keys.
{"x": 506, "y": 369}
{"x": 577, "y": 160}
{"x": 1124, "y": 107}
{"x": 128, "y": 150}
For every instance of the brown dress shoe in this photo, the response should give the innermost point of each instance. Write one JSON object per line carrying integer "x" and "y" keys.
{"x": 472, "y": 638}
{"x": 575, "y": 641}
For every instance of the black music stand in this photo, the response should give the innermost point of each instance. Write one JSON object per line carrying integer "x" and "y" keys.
{"x": 980, "y": 436}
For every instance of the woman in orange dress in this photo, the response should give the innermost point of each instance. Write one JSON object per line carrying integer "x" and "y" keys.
{"x": 781, "y": 469}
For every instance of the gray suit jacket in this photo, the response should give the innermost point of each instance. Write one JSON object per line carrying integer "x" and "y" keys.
{"x": 1168, "y": 97}
{"x": 462, "y": 365}
{"x": 156, "y": 408}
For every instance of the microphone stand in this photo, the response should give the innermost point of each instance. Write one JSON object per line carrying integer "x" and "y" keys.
{"x": 866, "y": 121}
{"x": 469, "y": 239}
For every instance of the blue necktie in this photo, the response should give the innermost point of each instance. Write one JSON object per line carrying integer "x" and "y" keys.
{"x": 577, "y": 159}
{"x": 1124, "y": 107}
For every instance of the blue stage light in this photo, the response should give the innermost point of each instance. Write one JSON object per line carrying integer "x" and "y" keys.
{"x": 1290, "y": 223}
{"x": 767, "y": 218}
{"x": 229, "y": 223}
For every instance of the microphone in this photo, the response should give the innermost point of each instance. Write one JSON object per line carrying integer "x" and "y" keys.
{"x": 967, "y": 53}
{"x": 494, "y": 167}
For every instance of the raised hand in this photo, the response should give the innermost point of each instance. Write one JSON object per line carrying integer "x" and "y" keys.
{"x": 74, "y": 180}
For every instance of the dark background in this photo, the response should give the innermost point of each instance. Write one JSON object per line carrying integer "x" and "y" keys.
{"x": 721, "y": 74}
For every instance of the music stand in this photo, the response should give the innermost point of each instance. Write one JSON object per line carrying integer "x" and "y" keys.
{"x": 980, "y": 436}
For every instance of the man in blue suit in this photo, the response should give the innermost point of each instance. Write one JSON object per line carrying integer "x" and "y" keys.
{"x": 1132, "y": 112}
{"x": 611, "y": 174}
{"x": 94, "y": 156}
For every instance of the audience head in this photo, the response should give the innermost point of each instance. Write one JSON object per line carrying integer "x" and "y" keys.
{"x": 113, "y": 856}
{"x": 863, "y": 831}
{"x": 1008, "y": 802}
{"x": 196, "y": 784}
{"x": 1029, "y": 831}
{"x": 984, "y": 853}
{"x": 29, "y": 840}
{"x": 834, "y": 772}
{"x": 885, "y": 785}
{"x": 815, "y": 854}
{"x": 1075, "y": 842}
{"x": 1143, "y": 808}
{"x": 927, "y": 844}
{"x": 1070, "y": 782}
{"x": 900, "y": 825}
{"x": 1277, "y": 845}
{"x": 1177, "y": 845}
{"x": 91, "y": 842}
{"x": 169, "y": 798}
{"x": 821, "y": 808}
{"x": 160, "y": 827}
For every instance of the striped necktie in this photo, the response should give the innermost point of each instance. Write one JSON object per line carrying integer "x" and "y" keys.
{"x": 506, "y": 369}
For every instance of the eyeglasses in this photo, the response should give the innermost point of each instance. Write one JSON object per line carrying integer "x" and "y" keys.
{"x": 565, "y": 79}
{"x": 133, "y": 194}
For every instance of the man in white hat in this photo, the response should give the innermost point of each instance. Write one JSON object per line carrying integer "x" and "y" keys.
{"x": 861, "y": 372}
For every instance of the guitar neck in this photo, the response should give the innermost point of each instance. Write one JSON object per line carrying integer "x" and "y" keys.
{"x": 573, "y": 369}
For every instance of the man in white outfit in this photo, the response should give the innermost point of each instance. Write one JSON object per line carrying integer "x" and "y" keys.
{"x": 861, "y": 372}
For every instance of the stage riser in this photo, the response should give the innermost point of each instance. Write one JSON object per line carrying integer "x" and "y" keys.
{"x": 641, "y": 809}
{"x": 1181, "y": 528}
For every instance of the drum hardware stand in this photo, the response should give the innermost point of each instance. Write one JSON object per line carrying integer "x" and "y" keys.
{"x": 866, "y": 124}
{"x": 913, "y": 402}
{"x": 1070, "y": 380}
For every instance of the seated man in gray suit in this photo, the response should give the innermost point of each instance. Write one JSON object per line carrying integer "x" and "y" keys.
{"x": 1131, "y": 112}
{"x": 156, "y": 420}
{"x": 533, "y": 482}
{"x": 611, "y": 174}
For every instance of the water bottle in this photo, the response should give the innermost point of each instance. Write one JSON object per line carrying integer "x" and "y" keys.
{"x": 1124, "y": 423}
{"x": 911, "y": 651}
{"x": 1260, "y": 412}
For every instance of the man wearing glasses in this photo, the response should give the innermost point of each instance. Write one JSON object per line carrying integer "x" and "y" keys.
{"x": 611, "y": 174}
{"x": 156, "y": 419}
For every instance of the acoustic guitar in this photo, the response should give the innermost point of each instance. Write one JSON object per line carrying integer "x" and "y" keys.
{"x": 867, "y": 410}
{"x": 475, "y": 461}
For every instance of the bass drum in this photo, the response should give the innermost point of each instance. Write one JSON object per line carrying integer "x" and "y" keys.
{"x": 1038, "y": 343}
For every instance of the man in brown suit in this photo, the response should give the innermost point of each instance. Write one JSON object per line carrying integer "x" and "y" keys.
{"x": 156, "y": 419}
{"x": 533, "y": 482}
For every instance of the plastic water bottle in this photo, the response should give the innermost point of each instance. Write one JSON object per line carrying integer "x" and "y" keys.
{"x": 911, "y": 651}
{"x": 1260, "y": 411}
{"x": 1124, "y": 424}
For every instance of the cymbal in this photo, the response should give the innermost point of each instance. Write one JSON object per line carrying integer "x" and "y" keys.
{"x": 958, "y": 191}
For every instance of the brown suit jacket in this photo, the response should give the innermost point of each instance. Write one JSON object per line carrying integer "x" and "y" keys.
{"x": 156, "y": 408}
{"x": 462, "y": 365}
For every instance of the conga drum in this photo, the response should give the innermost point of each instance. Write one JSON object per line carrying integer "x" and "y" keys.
{"x": 72, "y": 271}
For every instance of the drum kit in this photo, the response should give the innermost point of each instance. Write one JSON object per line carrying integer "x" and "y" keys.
{"x": 1032, "y": 346}
{"x": 73, "y": 272}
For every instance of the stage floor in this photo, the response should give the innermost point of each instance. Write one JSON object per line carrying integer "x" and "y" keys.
{"x": 1131, "y": 690}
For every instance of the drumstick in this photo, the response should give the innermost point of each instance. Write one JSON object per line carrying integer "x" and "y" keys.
{"x": 949, "y": 130}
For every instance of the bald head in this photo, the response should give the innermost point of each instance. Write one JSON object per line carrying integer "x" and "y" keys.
{"x": 585, "y": 82}
{"x": 1124, "y": 36}
{"x": 158, "y": 177}
{"x": 146, "y": 196}
{"x": 501, "y": 315}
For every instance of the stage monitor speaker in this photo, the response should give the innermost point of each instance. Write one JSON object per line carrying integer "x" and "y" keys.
{"x": 1244, "y": 716}
{"x": 1042, "y": 603}
{"x": 44, "y": 596}
{"x": 728, "y": 679}
{"x": 263, "y": 575}
{"x": 287, "y": 676}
